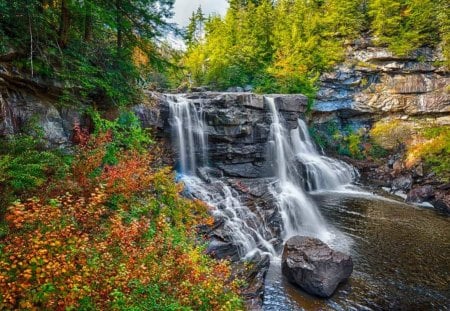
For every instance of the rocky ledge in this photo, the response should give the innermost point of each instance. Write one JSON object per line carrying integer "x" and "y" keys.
{"x": 373, "y": 82}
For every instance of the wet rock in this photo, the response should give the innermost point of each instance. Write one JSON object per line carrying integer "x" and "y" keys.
{"x": 221, "y": 250}
{"x": 205, "y": 173}
{"x": 403, "y": 183}
{"x": 253, "y": 271}
{"x": 420, "y": 194}
{"x": 294, "y": 103}
{"x": 316, "y": 268}
{"x": 442, "y": 201}
{"x": 245, "y": 170}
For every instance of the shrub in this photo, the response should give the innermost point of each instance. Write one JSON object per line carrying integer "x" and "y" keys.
{"x": 391, "y": 134}
{"x": 431, "y": 144}
{"x": 74, "y": 252}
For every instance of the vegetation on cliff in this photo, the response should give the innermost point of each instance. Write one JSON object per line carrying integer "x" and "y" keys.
{"x": 283, "y": 46}
{"x": 103, "y": 229}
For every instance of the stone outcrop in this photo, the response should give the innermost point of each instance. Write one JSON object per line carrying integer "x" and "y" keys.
{"x": 312, "y": 265}
{"x": 373, "y": 82}
{"x": 26, "y": 101}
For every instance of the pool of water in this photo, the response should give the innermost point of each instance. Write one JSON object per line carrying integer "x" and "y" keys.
{"x": 401, "y": 256}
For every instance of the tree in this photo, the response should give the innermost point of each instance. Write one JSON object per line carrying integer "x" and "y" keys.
{"x": 195, "y": 29}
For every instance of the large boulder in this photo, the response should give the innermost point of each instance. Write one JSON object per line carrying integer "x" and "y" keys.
{"x": 315, "y": 267}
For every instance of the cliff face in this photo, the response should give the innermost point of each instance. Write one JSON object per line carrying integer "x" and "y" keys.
{"x": 374, "y": 83}
{"x": 25, "y": 100}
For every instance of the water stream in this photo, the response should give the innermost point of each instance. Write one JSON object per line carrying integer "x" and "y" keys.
{"x": 398, "y": 250}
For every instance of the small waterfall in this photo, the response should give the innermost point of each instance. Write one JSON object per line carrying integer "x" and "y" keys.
{"x": 188, "y": 133}
{"x": 319, "y": 172}
{"x": 243, "y": 227}
{"x": 300, "y": 214}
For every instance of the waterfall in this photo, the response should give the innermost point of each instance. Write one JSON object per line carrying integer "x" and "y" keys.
{"x": 297, "y": 166}
{"x": 242, "y": 226}
{"x": 319, "y": 172}
{"x": 300, "y": 214}
{"x": 189, "y": 133}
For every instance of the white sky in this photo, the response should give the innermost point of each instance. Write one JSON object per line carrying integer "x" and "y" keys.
{"x": 184, "y": 9}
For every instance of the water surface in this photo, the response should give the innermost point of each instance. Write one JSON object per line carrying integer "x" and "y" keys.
{"x": 401, "y": 257}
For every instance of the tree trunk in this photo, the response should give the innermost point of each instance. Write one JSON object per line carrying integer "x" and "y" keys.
{"x": 88, "y": 22}
{"x": 119, "y": 26}
{"x": 64, "y": 25}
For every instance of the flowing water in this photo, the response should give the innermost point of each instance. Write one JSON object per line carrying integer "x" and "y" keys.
{"x": 300, "y": 214}
{"x": 400, "y": 252}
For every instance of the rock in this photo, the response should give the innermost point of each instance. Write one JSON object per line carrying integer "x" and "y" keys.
{"x": 295, "y": 103}
{"x": 397, "y": 167}
{"x": 235, "y": 89}
{"x": 237, "y": 126}
{"x": 245, "y": 170}
{"x": 403, "y": 183}
{"x": 442, "y": 201}
{"x": 420, "y": 194}
{"x": 205, "y": 173}
{"x": 200, "y": 89}
{"x": 19, "y": 107}
{"x": 255, "y": 277}
{"x": 221, "y": 250}
{"x": 418, "y": 170}
{"x": 374, "y": 81}
{"x": 248, "y": 88}
{"x": 316, "y": 268}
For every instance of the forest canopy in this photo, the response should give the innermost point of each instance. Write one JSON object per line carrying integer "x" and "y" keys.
{"x": 283, "y": 46}
{"x": 106, "y": 52}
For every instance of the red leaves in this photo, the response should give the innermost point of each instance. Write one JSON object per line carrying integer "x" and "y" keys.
{"x": 72, "y": 247}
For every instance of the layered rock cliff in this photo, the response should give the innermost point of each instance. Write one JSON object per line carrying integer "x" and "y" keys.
{"x": 374, "y": 83}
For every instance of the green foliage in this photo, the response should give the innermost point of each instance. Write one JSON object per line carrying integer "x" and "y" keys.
{"x": 101, "y": 51}
{"x": 127, "y": 133}
{"x": 278, "y": 46}
{"x": 25, "y": 164}
{"x": 432, "y": 145}
{"x": 283, "y": 46}
{"x": 355, "y": 144}
{"x": 391, "y": 134}
{"x": 405, "y": 25}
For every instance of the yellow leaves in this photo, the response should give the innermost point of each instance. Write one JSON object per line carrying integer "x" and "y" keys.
{"x": 391, "y": 133}
{"x": 422, "y": 147}
{"x": 140, "y": 58}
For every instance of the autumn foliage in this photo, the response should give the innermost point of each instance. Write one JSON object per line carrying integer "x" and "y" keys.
{"x": 85, "y": 249}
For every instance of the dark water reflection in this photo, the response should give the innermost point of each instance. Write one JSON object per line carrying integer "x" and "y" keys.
{"x": 401, "y": 258}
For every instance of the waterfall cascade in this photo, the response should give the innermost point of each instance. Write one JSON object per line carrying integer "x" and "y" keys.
{"x": 296, "y": 165}
{"x": 300, "y": 214}
{"x": 320, "y": 172}
{"x": 189, "y": 134}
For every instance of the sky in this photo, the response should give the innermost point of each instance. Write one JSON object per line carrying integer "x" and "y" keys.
{"x": 184, "y": 9}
